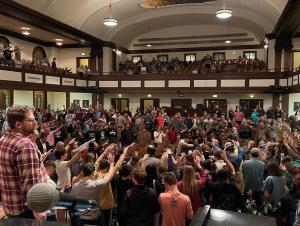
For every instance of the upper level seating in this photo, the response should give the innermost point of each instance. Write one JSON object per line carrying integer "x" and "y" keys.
{"x": 196, "y": 67}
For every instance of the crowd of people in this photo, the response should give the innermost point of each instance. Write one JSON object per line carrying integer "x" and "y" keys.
{"x": 147, "y": 167}
{"x": 204, "y": 66}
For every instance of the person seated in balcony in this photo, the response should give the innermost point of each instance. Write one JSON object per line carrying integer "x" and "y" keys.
{"x": 45, "y": 62}
{"x": 66, "y": 71}
{"x": 1, "y": 54}
{"x": 81, "y": 71}
{"x": 17, "y": 53}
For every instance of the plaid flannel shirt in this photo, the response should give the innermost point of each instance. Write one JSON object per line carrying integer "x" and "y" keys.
{"x": 21, "y": 167}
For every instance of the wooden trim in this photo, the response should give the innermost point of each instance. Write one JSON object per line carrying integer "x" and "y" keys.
{"x": 289, "y": 21}
{"x": 37, "y": 19}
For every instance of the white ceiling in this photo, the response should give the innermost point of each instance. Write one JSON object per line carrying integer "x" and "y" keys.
{"x": 256, "y": 17}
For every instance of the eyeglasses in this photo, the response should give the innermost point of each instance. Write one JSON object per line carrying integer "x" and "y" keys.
{"x": 30, "y": 120}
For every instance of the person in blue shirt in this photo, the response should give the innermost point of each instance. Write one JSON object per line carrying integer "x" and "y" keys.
{"x": 254, "y": 116}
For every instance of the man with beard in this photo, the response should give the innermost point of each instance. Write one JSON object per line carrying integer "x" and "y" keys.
{"x": 21, "y": 164}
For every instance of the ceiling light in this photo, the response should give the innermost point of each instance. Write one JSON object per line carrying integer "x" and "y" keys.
{"x": 82, "y": 54}
{"x": 148, "y": 45}
{"x": 224, "y": 14}
{"x": 59, "y": 43}
{"x": 120, "y": 95}
{"x": 149, "y": 95}
{"x": 266, "y": 46}
{"x": 215, "y": 95}
{"x": 110, "y": 22}
{"x": 25, "y": 33}
{"x": 118, "y": 52}
{"x": 251, "y": 96}
{"x": 227, "y": 41}
{"x": 25, "y": 28}
{"x": 58, "y": 39}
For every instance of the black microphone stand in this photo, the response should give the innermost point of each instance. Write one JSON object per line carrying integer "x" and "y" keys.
{"x": 75, "y": 217}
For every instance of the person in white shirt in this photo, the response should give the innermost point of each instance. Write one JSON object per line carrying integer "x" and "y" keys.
{"x": 50, "y": 168}
{"x": 159, "y": 135}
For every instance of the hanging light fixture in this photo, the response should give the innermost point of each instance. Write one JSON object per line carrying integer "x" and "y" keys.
{"x": 224, "y": 13}
{"x": 110, "y": 22}
{"x": 228, "y": 41}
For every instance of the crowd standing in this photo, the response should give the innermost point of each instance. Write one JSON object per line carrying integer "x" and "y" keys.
{"x": 147, "y": 167}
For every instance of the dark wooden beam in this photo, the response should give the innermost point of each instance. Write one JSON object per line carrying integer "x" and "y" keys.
{"x": 289, "y": 21}
{"x": 15, "y": 10}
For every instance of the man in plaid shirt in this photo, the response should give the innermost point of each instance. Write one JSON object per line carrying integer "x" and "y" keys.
{"x": 21, "y": 164}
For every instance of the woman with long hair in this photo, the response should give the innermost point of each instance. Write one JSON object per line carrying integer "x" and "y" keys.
{"x": 190, "y": 186}
{"x": 274, "y": 188}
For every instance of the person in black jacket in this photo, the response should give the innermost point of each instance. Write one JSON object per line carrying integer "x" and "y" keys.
{"x": 42, "y": 143}
{"x": 140, "y": 203}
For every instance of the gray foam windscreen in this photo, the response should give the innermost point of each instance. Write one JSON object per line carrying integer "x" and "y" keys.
{"x": 42, "y": 197}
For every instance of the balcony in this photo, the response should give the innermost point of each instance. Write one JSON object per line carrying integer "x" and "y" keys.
{"x": 265, "y": 81}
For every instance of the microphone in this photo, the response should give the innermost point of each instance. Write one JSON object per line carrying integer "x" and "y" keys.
{"x": 42, "y": 197}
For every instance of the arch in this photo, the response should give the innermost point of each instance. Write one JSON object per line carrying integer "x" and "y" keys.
{"x": 38, "y": 54}
{"x": 4, "y": 41}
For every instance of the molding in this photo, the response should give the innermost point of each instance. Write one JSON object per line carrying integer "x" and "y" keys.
{"x": 195, "y": 49}
{"x": 289, "y": 21}
{"x": 18, "y": 11}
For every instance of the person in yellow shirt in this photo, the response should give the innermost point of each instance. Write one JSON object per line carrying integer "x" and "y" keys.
{"x": 107, "y": 201}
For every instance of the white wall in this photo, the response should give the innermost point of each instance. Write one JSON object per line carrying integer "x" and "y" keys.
{"x": 271, "y": 54}
{"x": 293, "y": 97}
{"x": 107, "y": 59}
{"x": 165, "y": 99}
{"x": 56, "y": 99}
{"x": 23, "y": 97}
{"x": 67, "y": 57}
{"x": 81, "y": 97}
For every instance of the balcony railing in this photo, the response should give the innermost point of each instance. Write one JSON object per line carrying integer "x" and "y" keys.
{"x": 244, "y": 81}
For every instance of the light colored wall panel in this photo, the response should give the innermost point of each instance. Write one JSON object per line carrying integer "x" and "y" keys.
{"x": 125, "y": 84}
{"x": 290, "y": 81}
{"x": 261, "y": 82}
{"x": 56, "y": 99}
{"x": 156, "y": 83}
{"x": 293, "y": 97}
{"x": 179, "y": 83}
{"x": 81, "y": 83}
{"x": 81, "y": 97}
{"x": 23, "y": 97}
{"x": 68, "y": 82}
{"x": 233, "y": 83}
{"x": 205, "y": 83}
{"x": 51, "y": 80}
{"x": 283, "y": 82}
{"x": 295, "y": 80}
{"x": 107, "y": 84}
{"x": 33, "y": 78}
{"x": 91, "y": 83}
{"x": 10, "y": 76}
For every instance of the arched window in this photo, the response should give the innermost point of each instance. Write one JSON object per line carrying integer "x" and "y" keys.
{"x": 4, "y": 41}
{"x": 38, "y": 54}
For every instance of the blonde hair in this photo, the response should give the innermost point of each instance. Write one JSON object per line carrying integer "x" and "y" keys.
{"x": 188, "y": 180}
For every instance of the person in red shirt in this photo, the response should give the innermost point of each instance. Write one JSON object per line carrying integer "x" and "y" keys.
{"x": 160, "y": 120}
{"x": 172, "y": 134}
{"x": 21, "y": 164}
{"x": 238, "y": 116}
{"x": 175, "y": 207}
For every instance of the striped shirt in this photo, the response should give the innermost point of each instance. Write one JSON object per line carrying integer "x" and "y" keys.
{"x": 21, "y": 167}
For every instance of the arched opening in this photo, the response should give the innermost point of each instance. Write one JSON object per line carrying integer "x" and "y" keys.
{"x": 38, "y": 55}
